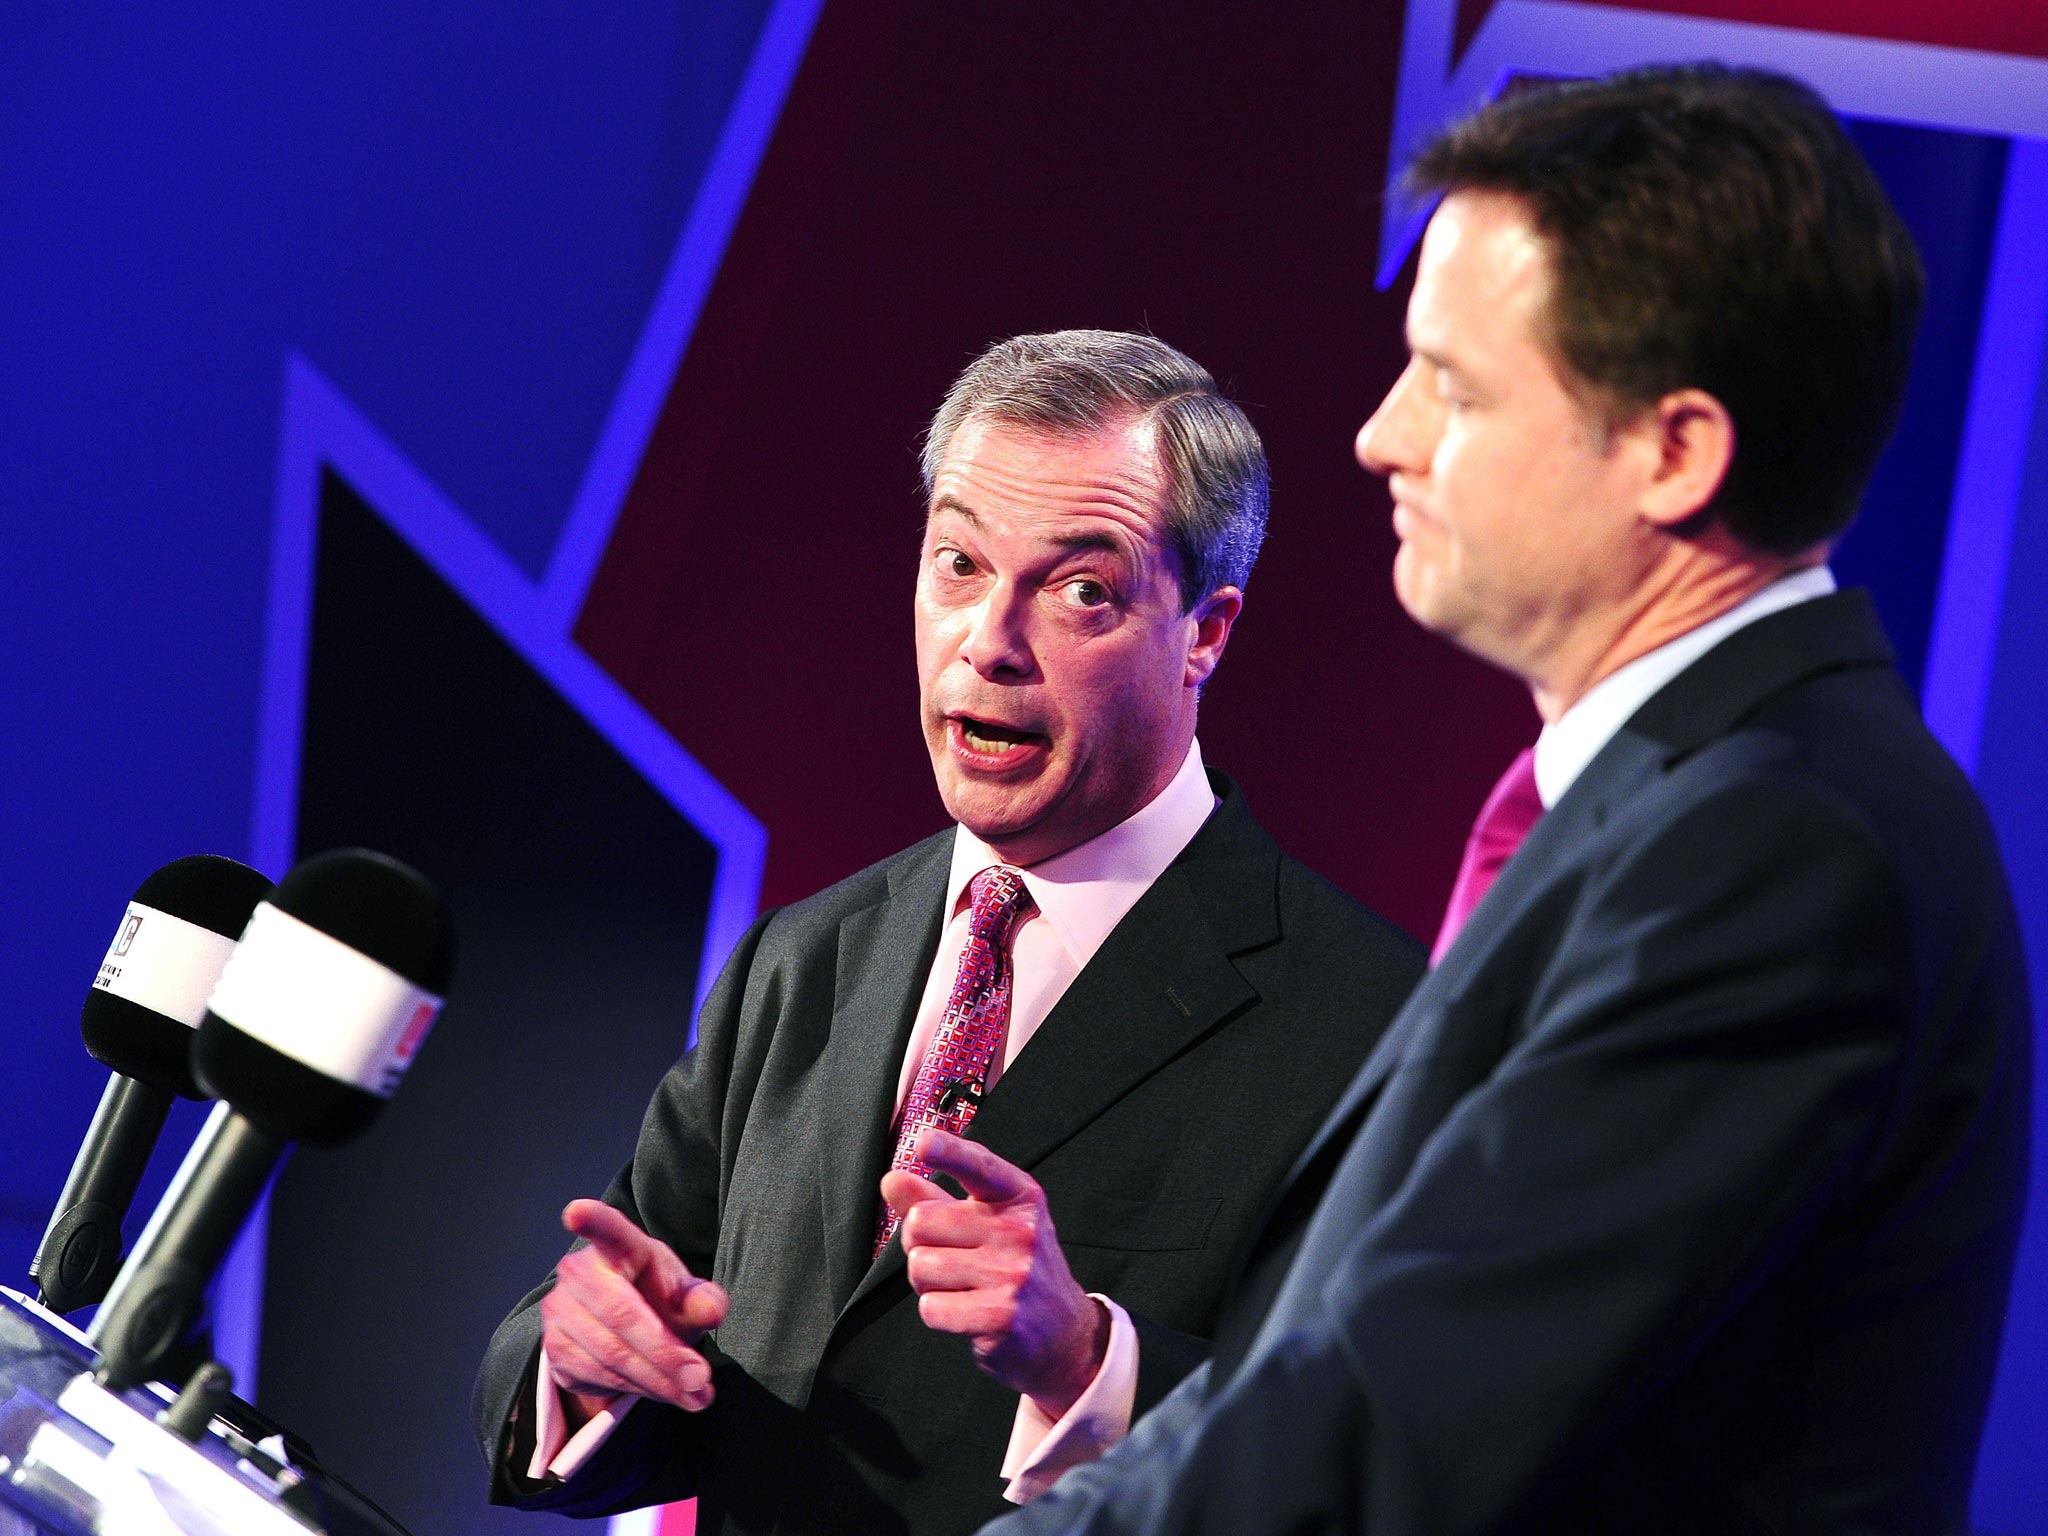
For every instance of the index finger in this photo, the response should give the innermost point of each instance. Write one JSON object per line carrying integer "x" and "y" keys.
{"x": 978, "y": 1171}
{"x": 611, "y": 1232}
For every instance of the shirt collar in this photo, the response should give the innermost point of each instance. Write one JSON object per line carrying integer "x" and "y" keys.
{"x": 1566, "y": 746}
{"x": 1085, "y": 892}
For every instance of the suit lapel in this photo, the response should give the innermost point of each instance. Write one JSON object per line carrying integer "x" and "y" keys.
{"x": 1551, "y": 840}
{"x": 1160, "y": 980}
{"x": 885, "y": 953}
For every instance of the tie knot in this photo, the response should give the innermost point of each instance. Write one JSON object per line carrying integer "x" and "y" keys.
{"x": 998, "y": 899}
{"x": 1511, "y": 809}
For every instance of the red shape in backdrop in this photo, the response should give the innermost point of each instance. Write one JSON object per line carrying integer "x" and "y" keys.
{"x": 1990, "y": 26}
{"x": 942, "y": 176}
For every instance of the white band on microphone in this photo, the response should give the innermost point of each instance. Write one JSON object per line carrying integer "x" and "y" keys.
{"x": 163, "y": 963}
{"x": 307, "y": 994}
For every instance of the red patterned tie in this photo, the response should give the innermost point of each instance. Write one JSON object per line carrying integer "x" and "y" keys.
{"x": 947, "y": 1089}
{"x": 1510, "y": 811}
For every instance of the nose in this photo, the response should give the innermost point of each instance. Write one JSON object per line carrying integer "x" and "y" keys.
{"x": 996, "y": 644}
{"x": 1397, "y": 436}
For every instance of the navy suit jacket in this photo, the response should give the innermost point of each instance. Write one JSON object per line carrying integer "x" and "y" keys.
{"x": 1159, "y": 1105}
{"x": 1682, "y": 1196}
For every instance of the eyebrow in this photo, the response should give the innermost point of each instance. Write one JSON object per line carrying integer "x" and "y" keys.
{"x": 1067, "y": 544}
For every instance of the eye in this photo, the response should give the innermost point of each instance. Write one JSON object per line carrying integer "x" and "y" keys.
{"x": 952, "y": 562}
{"x": 1086, "y": 592}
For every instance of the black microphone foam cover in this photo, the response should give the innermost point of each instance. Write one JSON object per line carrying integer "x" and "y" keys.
{"x": 173, "y": 942}
{"x": 335, "y": 984}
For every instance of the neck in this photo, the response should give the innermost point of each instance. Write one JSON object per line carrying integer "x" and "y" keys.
{"x": 1697, "y": 580}
{"x": 1036, "y": 844}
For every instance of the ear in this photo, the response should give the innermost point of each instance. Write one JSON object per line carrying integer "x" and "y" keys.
{"x": 1693, "y": 438}
{"x": 1212, "y": 618}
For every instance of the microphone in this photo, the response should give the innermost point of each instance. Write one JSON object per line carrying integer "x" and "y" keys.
{"x": 149, "y": 996}
{"x": 312, "y": 1026}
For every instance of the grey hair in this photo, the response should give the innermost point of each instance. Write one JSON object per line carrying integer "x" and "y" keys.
{"x": 1073, "y": 382}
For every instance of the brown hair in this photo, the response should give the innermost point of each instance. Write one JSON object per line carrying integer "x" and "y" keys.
{"x": 1715, "y": 228}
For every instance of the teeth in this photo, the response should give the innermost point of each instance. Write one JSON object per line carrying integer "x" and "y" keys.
{"x": 982, "y": 743}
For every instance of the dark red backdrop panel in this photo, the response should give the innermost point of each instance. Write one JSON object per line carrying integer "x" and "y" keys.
{"x": 948, "y": 174}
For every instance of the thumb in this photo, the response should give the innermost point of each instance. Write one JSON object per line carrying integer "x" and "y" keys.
{"x": 692, "y": 1308}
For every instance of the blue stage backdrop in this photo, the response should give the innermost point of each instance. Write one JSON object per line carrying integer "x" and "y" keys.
{"x": 492, "y": 438}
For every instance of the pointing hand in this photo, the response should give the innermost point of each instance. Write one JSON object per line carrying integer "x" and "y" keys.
{"x": 625, "y": 1315}
{"x": 990, "y": 1267}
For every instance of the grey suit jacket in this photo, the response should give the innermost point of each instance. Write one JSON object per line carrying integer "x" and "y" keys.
{"x": 1158, "y": 1105}
{"x": 1682, "y": 1197}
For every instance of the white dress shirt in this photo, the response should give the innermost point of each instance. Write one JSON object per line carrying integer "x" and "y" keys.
{"x": 1575, "y": 738}
{"x": 1080, "y": 896}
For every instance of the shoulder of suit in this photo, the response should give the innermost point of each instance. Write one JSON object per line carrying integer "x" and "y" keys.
{"x": 1310, "y": 906}
{"x": 1308, "y": 897}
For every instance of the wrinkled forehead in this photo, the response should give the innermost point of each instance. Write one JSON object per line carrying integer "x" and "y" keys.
{"x": 1132, "y": 435}
{"x": 995, "y": 467}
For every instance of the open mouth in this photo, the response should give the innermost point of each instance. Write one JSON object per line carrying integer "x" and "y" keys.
{"x": 985, "y": 738}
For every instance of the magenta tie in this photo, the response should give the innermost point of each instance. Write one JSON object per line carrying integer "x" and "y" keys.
{"x": 1510, "y": 811}
{"x": 947, "y": 1089}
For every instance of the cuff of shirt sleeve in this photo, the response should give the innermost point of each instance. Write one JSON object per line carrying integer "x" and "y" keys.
{"x": 557, "y": 1454}
{"x": 1042, "y": 1448}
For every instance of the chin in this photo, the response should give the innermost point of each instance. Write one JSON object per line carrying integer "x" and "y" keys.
{"x": 1413, "y": 594}
{"x": 990, "y": 817}
{"x": 1435, "y": 604}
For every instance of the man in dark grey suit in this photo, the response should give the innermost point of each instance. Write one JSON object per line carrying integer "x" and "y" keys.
{"x": 1682, "y": 1197}
{"x": 1181, "y": 1003}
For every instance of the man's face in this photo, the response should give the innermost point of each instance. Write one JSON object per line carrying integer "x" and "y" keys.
{"x": 1512, "y": 504}
{"x": 1057, "y": 674}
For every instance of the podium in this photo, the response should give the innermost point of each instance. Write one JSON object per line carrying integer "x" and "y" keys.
{"x": 79, "y": 1460}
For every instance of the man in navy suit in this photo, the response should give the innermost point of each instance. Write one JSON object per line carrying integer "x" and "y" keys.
{"x": 1682, "y": 1195}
